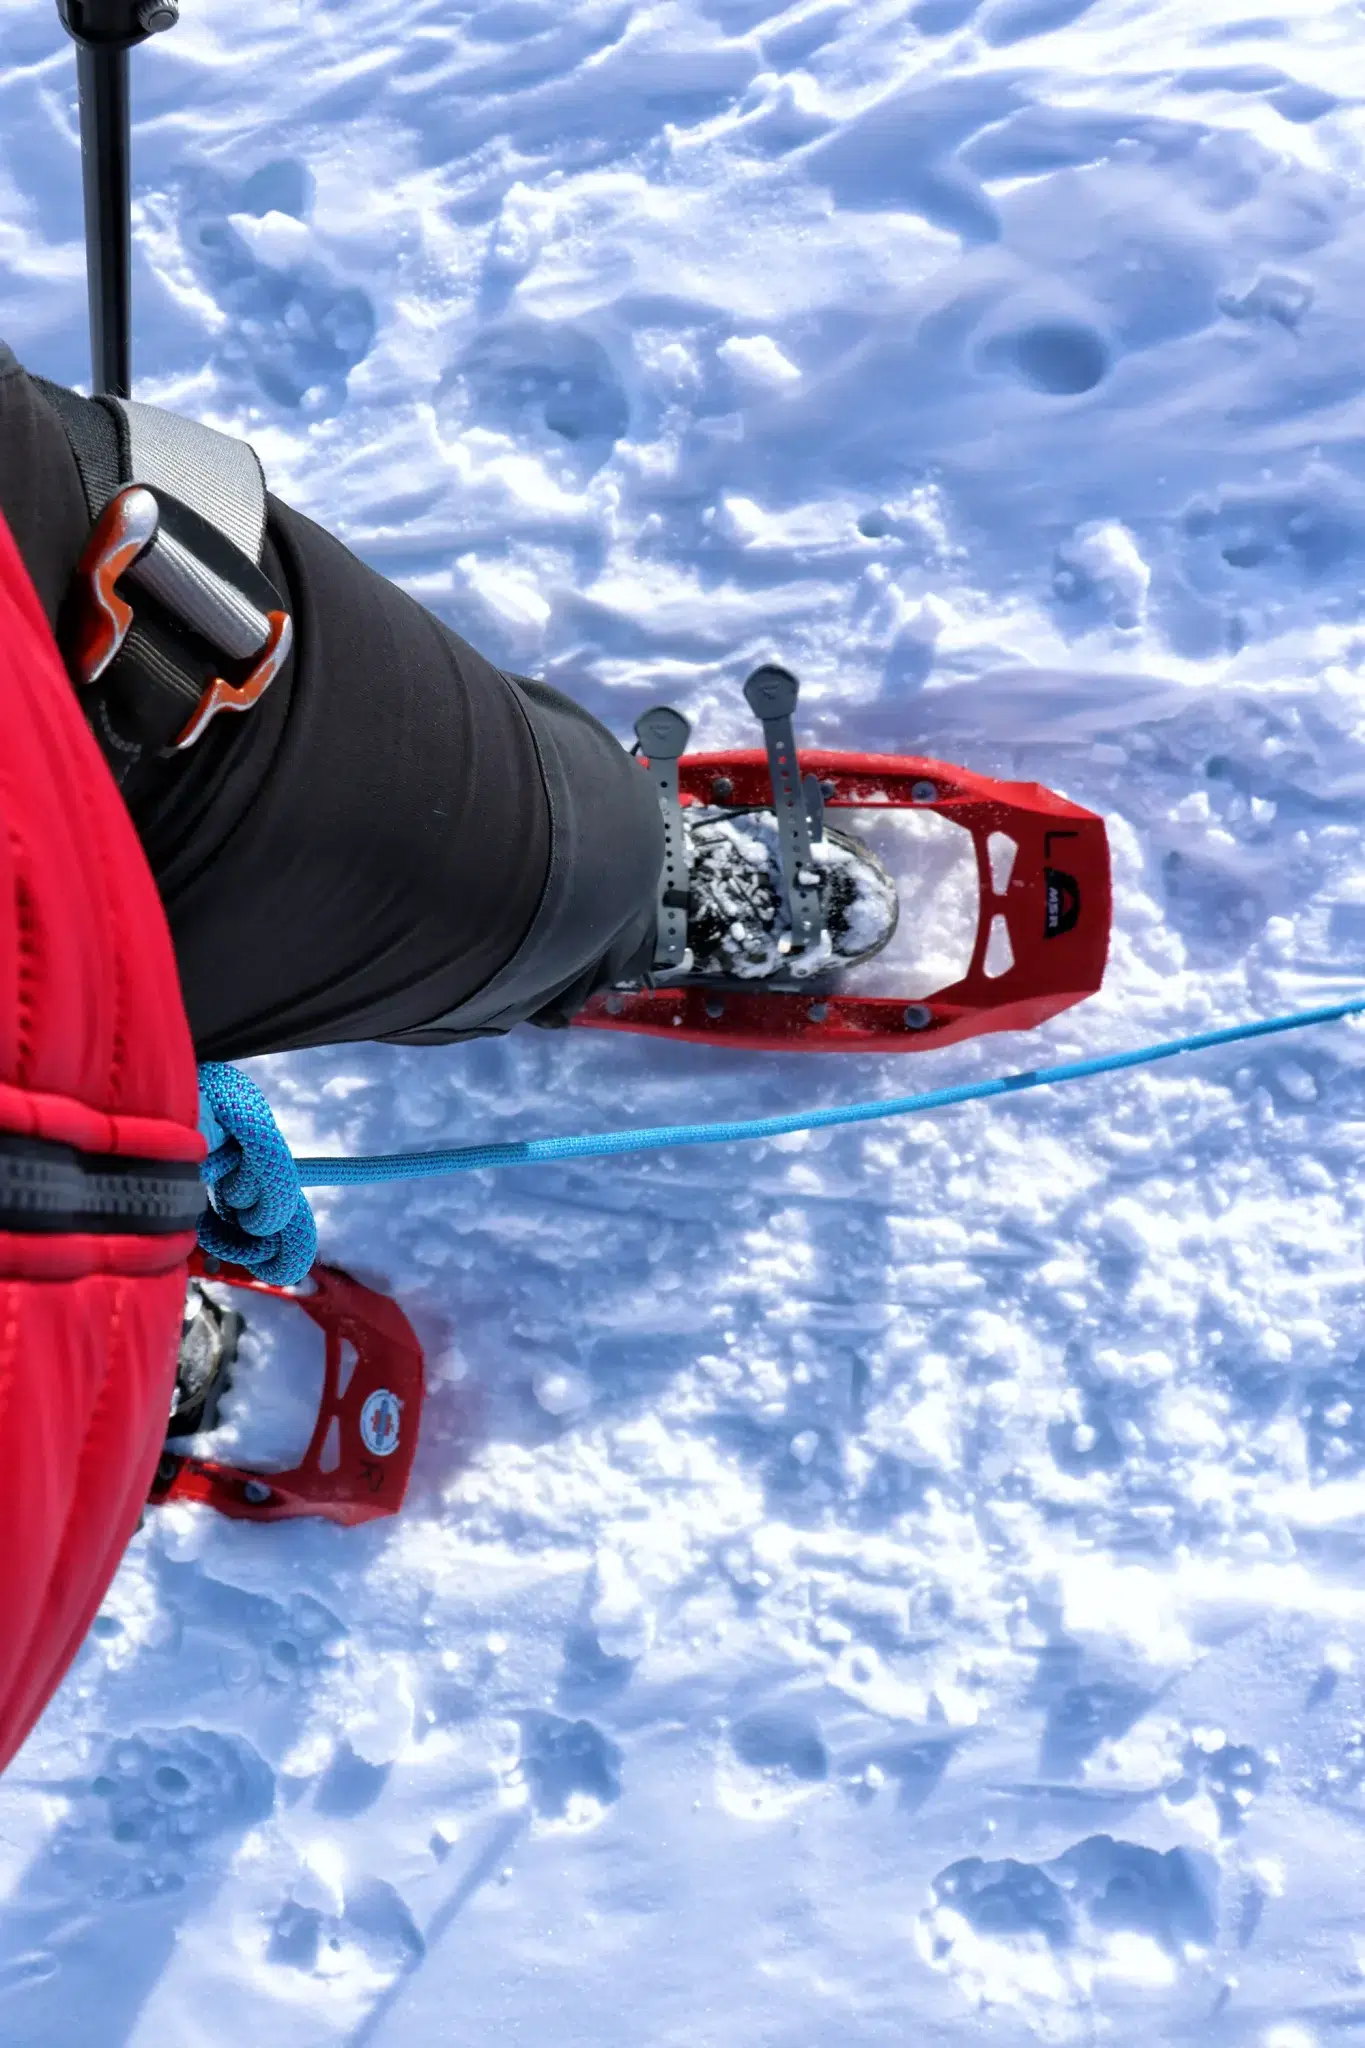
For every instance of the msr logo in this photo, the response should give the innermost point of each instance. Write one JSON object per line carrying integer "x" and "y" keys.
{"x": 1063, "y": 902}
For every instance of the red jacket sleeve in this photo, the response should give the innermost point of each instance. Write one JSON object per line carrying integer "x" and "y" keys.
{"x": 95, "y": 1056}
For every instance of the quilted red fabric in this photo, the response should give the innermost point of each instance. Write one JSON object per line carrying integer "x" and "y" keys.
{"x": 95, "y": 1052}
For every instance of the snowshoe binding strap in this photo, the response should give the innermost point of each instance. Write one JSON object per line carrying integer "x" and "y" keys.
{"x": 663, "y": 735}
{"x": 772, "y": 692}
{"x": 170, "y": 618}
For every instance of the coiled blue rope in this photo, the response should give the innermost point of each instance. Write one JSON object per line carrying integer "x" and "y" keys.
{"x": 258, "y": 1215}
{"x": 335, "y": 1173}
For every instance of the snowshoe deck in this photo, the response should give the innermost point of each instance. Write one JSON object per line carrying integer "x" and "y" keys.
{"x": 1042, "y": 924}
{"x": 357, "y": 1464}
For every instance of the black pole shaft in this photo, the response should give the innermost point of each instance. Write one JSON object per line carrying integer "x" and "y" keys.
{"x": 103, "y": 75}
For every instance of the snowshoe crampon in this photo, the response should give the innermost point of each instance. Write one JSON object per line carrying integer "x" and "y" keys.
{"x": 1033, "y": 923}
{"x": 358, "y": 1461}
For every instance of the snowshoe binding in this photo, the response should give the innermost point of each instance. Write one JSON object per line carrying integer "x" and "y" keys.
{"x": 769, "y": 895}
{"x": 769, "y": 913}
{"x": 738, "y": 920}
{"x": 358, "y": 1461}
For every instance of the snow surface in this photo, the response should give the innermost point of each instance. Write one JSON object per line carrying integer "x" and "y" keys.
{"x": 898, "y": 1583}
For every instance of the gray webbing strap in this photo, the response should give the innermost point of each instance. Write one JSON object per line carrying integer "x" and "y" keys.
{"x": 193, "y": 591}
{"x": 216, "y": 476}
{"x": 663, "y": 735}
{"x": 772, "y": 693}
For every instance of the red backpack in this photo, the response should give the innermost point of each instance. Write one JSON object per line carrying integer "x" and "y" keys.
{"x": 99, "y": 1154}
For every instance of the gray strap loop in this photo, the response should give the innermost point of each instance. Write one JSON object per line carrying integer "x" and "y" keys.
{"x": 190, "y": 590}
{"x": 217, "y": 476}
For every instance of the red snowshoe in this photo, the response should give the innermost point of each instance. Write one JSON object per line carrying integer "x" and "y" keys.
{"x": 357, "y": 1465}
{"x": 778, "y": 931}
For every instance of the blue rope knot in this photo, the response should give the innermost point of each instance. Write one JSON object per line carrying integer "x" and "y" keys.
{"x": 258, "y": 1214}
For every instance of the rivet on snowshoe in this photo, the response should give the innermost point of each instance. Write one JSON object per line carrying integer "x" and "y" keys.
{"x": 918, "y": 1016}
{"x": 924, "y": 792}
{"x": 722, "y": 789}
{"x": 818, "y": 1012}
{"x": 257, "y": 1493}
{"x": 715, "y": 1006}
{"x": 615, "y": 1005}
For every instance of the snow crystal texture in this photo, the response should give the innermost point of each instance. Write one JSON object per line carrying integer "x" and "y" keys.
{"x": 901, "y": 1583}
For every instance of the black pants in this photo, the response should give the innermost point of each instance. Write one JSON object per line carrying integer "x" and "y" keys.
{"x": 400, "y": 841}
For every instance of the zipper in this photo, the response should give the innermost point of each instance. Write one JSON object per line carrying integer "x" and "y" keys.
{"x": 47, "y": 1188}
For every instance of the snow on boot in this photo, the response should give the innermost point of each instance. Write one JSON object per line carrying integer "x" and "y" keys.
{"x": 738, "y": 925}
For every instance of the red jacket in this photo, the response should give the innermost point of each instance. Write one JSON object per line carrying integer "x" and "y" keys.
{"x": 95, "y": 1053}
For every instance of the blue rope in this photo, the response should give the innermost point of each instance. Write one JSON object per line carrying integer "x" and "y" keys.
{"x": 335, "y": 1173}
{"x": 258, "y": 1214}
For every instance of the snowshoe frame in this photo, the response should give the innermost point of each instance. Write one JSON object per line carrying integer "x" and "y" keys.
{"x": 358, "y": 1462}
{"x": 1056, "y": 907}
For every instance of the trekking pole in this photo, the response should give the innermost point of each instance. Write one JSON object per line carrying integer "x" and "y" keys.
{"x": 104, "y": 31}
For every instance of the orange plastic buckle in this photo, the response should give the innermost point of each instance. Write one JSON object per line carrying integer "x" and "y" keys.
{"x": 127, "y": 525}
{"x": 224, "y": 696}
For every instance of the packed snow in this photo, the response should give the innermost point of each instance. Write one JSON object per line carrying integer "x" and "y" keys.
{"x": 903, "y": 1582}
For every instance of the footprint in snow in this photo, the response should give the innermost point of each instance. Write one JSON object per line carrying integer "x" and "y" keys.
{"x": 548, "y": 386}
{"x": 774, "y": 1760}
{"x": 292, "y": 328}
{"x": 164, "y": 1803}
{"x": 911, "y": 1770}
{"x": 180, "y": 1786}
{"x": 1039, "y": 1934}
{"x": 1058, "y": 355}
{"x": 1081, "y": 1719}
{"x": 572, "y": 1771}
{"x": 371, "y": 1935}
{"x": 1232, "y": 1774}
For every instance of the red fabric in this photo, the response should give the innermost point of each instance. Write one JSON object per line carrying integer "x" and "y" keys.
{"x": 72, "y": 1256}
{"x": 40, "y": 1114}
{"x": 94, "y": 1052}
